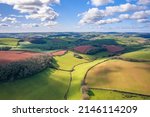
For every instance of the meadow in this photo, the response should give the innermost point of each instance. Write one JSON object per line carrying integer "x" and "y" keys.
{"x": 50, "y": 84}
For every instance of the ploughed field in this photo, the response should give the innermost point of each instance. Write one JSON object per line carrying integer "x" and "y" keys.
{"x": 120, "y": 75}
{"x": 13, "y": 56}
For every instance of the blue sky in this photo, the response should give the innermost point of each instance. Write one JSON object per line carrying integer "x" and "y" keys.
{"x": 75, "y": 15}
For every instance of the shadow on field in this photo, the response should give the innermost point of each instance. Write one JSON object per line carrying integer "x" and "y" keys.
{"x": 43, "y": 86}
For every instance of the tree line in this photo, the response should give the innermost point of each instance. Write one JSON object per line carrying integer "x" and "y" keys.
{"x": 25, "y": 68}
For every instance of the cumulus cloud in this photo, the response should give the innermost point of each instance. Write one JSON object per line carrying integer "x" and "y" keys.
{"x": 124, "y": 16}
{"x": 123, "y": 8}
{"x": 108, "y": 21}
{"x": 101, "y": 2}
{"x": 36, "y": 9}
{"x": 144, "y": 2}
{"x": 141, "y": 14}
{"x": 91, "y": 16}
{"x": 94, "y": 15}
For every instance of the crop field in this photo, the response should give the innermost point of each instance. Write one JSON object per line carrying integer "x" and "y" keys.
{"x": 12, "y": 56}
{"x": 113, "y": 48}
{"x": 84, "y": 49}
{"x": 121, "y": 75}
{"x": 59, "y": 53}
{"x": 8, "y": 41}
{"x": 47, "y": 85}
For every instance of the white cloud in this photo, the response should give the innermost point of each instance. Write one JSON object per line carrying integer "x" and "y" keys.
{"x": 123, "y": 8}
{"x": 143, "y": 20}
{"x": 17, "y": 16}
{"x": 141, "y": 15}
{"x": 101, "y": 2}
{"x": 50, "y": 23}
{"x": 144, "y": 2}
{"x": 36, "y": 9}
{"x": 124, "y": 16}
{"x": 93, "y": 15}
{"x": 108, "y": 21}
{"x": 9, "y": 20}
{"x": 30, "y": 25}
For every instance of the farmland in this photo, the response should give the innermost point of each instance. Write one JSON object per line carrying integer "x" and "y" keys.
{"x": 8, "y": 41}
{"x": 49, "y": 84}
{"x": 57, "y": 65}
{"x": 13, "y": 56}
{"x": 121, "y": 75}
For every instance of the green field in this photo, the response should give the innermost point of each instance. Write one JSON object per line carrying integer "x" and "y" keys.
{"x": 8, "y": 41}
{"x": 140, "y": 54}
{"x": 112, "y": 95}
{"x": 68, "y": 60}
{"x": 78, "y": 75}
{"x": 121, "y": 75}
{"x": 47, "y": 85}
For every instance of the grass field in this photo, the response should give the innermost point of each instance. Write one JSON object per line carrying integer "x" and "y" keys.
{"x": 112, "y": 95}
{"x": 77, "y": 77}
{"x": 140, "y": 54}
{"x": 68, "y": 60}
{"x": 47, "y": 85}
{"x": 8, "y": 41}
{"x": 121, "y": 75}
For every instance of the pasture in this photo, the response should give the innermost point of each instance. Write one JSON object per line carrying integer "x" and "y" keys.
{"x": 77, "y": 77}
{"x": 112, "y": 95}
{"x": 121, "y": 75}
{"x": 8, "y": 41}
{"x": 68, "y": 60}
{"x": 47, "y": 85}
{"x": 140, "y": 54}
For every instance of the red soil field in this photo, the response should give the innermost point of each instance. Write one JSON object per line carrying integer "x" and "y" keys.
{"x": 113, "y": 48}
{"x": 84, "y": 49}
{"x": 59, "y": 53}
{"x": 13, "y": 56}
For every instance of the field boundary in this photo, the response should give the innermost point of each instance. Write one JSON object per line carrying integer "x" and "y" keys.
{"x": 120, "y": 91}
{"x": 129, "y": 59}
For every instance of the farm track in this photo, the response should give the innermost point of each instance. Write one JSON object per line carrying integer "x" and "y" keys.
{"x": 119, "y": 91}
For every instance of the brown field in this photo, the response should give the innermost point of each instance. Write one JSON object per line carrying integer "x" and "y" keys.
{"x": 84, "y": 49}
{"x": 121, "y": 75}
{"x": 59, "y": 53}
{"x": 13, "y": 56}
{"x": 113, "y": 48}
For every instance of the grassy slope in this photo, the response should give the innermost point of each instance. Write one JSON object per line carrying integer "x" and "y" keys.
{"x": 67, "y": 61}
{"x": 121, "y": 75}
{"x": 78, "y": 75}
{"x": 49, "y": 84}
{"x": 140, "y": 54}
{"x": 8, "y": 41}
{"x": 111, "y": 95}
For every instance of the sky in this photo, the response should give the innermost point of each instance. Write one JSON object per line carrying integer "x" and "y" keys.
{"x": 74, "y": 16}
